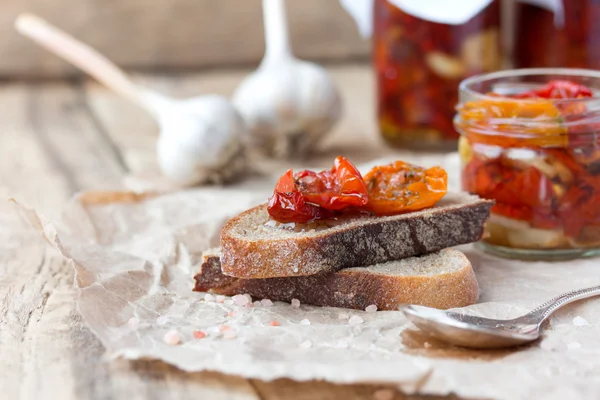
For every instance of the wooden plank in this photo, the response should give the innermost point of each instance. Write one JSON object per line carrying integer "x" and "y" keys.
{"x": 176, "y": 34}
{"x": 47, "y": 352}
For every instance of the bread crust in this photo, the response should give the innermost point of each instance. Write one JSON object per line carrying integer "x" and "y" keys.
{"x": 376, "y": 240}
{"x": 353, "y": 287}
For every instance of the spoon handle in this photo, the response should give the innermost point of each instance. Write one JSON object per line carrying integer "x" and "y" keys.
{"x": 78, "y": 54}
{"x": 541, "y": 313}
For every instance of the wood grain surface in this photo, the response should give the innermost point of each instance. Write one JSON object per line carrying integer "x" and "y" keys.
{"x": 60, "y": 138}
{"x": 175, "y": 34}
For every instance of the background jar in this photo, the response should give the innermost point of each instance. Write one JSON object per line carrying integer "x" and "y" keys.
{"x": 419, "y": 63}
{"x": 538, "y": 159}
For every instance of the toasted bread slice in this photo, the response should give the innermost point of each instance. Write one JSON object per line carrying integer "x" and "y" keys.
{"x": 255, "y": 246}
{"x": 442, "y": 280}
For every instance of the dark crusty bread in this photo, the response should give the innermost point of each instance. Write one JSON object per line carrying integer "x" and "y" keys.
{"x": 442, "y": 280}
{"x": 254, "y": 246}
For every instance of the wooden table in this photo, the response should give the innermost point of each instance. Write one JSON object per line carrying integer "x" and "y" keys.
{"x": 58, "y": 138}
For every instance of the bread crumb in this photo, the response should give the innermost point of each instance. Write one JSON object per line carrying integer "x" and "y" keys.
{"x": 266, "y": 302}
{"x": 220, "y": 298}
{"x": 305, "y": 322}
{"x": 172, "y": 338}
{"x": 371, "y": 308}
{"x": 573, "y": 345}
{"x": 306, "y": 344}
{"x": 274, "y": 323}
{"x": 209, "y": 297}
{"x": 295, "y": 303}
{"x": 133, "y": 321}
{"x": 240, "y": 300}
{"x": 383, "y": 394}
{"x": 427, "y": 345}
{"x": 343, "y": 316}
{"x": 355, "y": 320}
{"x": 199, "y": 334}
{"x": 580, "y": 321}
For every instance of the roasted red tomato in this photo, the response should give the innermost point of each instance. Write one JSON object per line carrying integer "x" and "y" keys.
{"x": 308, "y": 195}
{"x": 557, "y": 90}
{"x": 401, "y": 187}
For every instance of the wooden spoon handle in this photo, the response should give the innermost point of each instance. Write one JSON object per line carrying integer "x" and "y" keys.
{"x": 79, "y": 54}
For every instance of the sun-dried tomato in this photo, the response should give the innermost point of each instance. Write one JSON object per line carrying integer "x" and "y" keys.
{"x": 557, "y": 89}
{"x": 401, "y": 187}
{"x": 307, "y": 195}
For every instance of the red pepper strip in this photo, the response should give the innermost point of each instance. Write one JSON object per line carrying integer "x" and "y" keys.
{"x": 557, "y": 89}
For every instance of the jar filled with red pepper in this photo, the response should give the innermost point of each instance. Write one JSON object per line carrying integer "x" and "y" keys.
{"x": 530, "y": 140}
{"x": 557, "y": 33}
{"x": 421, "y": 52}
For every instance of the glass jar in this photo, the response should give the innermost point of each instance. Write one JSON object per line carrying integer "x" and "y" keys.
{"x": 539, "y": 159}
{"x": 557, "y": 33}
{"x": 419, "y": 63}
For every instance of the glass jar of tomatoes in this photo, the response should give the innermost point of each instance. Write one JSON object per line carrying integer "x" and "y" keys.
{"x": 530, "y": 140}
{"x": 421, "y": 52}
{"x": 557, "y": 33}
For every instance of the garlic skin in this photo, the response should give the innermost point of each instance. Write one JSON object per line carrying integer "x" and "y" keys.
{"x": 287, "y": 104}
{"x": 201, "y": 141}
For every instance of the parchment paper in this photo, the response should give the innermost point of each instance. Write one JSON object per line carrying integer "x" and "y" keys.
{"x": 135, "y": 256}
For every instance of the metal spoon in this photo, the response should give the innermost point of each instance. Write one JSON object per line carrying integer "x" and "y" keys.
{"x": 484, "y": 333}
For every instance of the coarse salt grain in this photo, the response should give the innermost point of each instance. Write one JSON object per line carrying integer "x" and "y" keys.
{"x": 274, "y": 323}
{"x": 199, "y": 334}
{"x": 343, "y": 316}
{"x": 306, "y": 344}
{"x": 305, "y": 322}
{"x": 246, "y": 295}
{"x": 371, "y": 308}
{"x": 224, "y": 328}
{"x": 240, "y": 300}
{"x": 229, "y": 335}
{"x": 266, "y": 302}
{"x": 580, "y": 321}
{"x": 295, "y": 303}
{"x": 232, "y": 314}
{"x": 162, "y": 320}
{"x": 383, "y": 394}
{"x": 172, "y": 338}
{"x": 573, "y": 345}
{"x": 220, "y": 298}
{"x": 355, "y": 320}
{"x": 209, "y": 297}
{"x": 133, "y": 321}
{"x": 257, "y": 303}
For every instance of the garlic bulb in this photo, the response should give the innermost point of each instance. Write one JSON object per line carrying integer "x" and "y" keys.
{"x": 201, "y": 140}
{"x": 287, "y": 104}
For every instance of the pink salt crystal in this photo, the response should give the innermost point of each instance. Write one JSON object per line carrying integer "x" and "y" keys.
{"x": 305, "y": 322}
{"x": 232, "y": 314}
{"x": 172, "y": 337}
{"x": 355, "y": 320}
{"x": 133, "y": 321}
{"x": 266, "y": 302}
{"x": 343, "y": 316}
{"x": 240, "y": 300}
{"x": 274, "y": 323}
{"x": 383, "y": 394}
{"x": 199, "y": 334}
{"x": 246, "y": 295}
{"x": 229, "y": 335}
{"x": 220, "y": 298}
{"x": 224, "y": 328}
{"x": 295, "y": 303}
{"x": 257, "y": 303}
{"x": 209, "y": 297}
{"x": 371, "y": 308}
{"x": 306, "y": 344}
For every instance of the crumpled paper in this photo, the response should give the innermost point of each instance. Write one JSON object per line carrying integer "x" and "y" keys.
{"x": 135, "y": 255}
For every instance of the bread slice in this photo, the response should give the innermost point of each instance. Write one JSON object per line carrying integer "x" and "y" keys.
{"x": 442, "y": 280}
{"x": 255, "y": 246}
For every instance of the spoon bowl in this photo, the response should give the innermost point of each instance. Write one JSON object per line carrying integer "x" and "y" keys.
{"x": 486, "y": 333}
